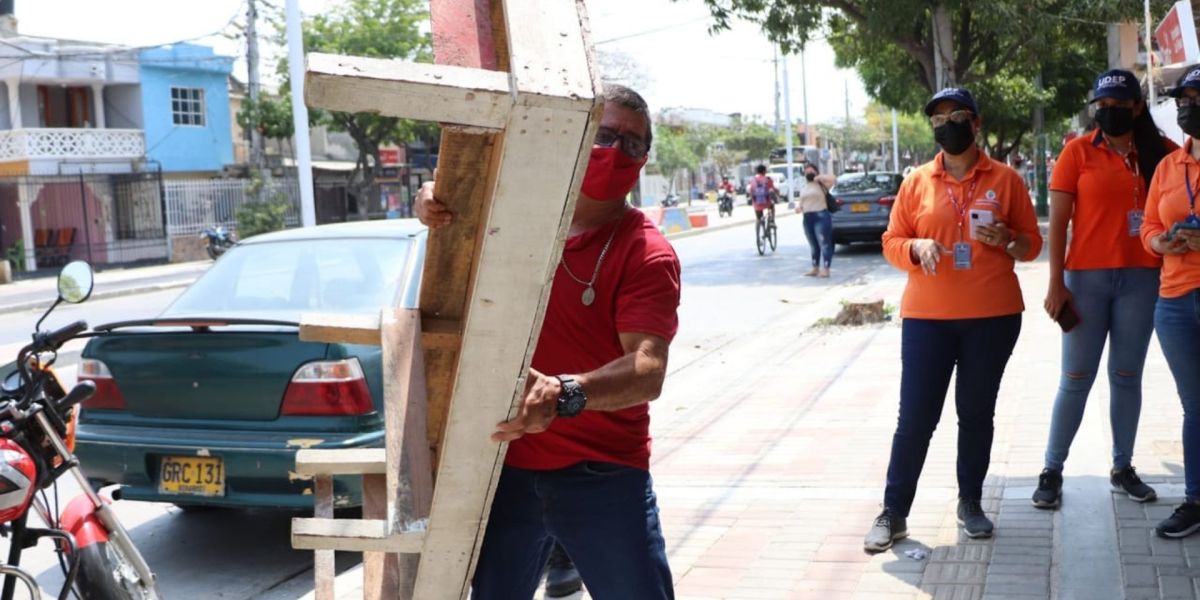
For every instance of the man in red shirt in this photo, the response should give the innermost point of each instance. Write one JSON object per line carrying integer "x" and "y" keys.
{"x": 577, "y": 467}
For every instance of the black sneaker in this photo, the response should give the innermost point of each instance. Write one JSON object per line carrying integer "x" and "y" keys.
{"x": 561, "y": 577}
{"x": 974, "y": 523}
{"x": 1049, "y": 489}
{"x": 1127, "y": 480}
{"x": 1183, "y": 522}
{"x": 887, "y": 529}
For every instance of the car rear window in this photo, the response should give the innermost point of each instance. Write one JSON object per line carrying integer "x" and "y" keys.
{"x": 885, "y": 182}
{"x": 281, "y": 280}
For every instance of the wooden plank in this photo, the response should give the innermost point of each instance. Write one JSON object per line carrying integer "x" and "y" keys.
{"x": 351, "y": 535}
{"x": 340, "y": 328}
{"x": 544, "y": 158}
{"x": 426, "y": 92}
{"x": 349, "y": 461}
{"x": 463, "y": 34}
{"x": 441, "y": 334}
{"x": 409, "y": 464}
{"x": 381, "y": 571}
{"x": 547, "y": 50}
{"x": 324, "y": 571}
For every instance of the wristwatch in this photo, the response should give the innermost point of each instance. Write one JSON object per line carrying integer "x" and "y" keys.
{"x": 572, "y": 400}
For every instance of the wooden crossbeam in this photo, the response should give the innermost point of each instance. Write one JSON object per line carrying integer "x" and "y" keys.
{"x": 395, "y": 88}
{"x": 364, "y": 329}
{"x": 347, "y": 461}
{"x": 352, "y": 535}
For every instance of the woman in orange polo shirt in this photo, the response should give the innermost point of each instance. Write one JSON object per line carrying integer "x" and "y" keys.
{"x": 959, "y": 224}
{"x": 1171, "y": 205}
{"x": 1110, "y": 282}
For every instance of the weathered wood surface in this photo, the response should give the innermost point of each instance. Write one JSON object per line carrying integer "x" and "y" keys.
{"x": 351, "y": 461}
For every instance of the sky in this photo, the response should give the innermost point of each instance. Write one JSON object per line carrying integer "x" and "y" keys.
{"x": 685, "y": 65}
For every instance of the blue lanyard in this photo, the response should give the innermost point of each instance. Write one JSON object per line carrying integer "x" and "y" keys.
{"x": 1187, "y": 178}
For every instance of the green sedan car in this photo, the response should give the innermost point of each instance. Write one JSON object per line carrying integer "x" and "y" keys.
{"x": 207, "y": 404}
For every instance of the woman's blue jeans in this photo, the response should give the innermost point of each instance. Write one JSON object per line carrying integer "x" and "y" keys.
{"x": 1177, "y": 323}
{"x": 818, "y": 228}
{"x": 976, "y": 352}
{"x": 1117, "y": 306}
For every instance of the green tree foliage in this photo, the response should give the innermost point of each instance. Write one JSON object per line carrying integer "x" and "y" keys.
{"x": 254, "y": 218}
{"x": 914, "y": 133}
{"x": 754, "y": 141}
{"x": 997, "y": 48}
{"x": 373, "y": 28}
{"x": 270, "y": 117}
{"x": 673, "y": 152}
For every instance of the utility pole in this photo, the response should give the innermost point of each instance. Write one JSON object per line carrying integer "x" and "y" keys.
{"x": 804, "y": 94}
{"x": 895, "y": 143}
{"x": 775, "y": 66}
{"x": 846, "y": 129}
{"x": 308, "y": 213}
{"x": 787, "y": 111}
{"x": 1149, "y": 56}
{"x": 252, "y": 82}
{"x": 1039, "y": 122}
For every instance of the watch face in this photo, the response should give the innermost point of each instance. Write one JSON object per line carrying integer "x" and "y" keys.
{"x": 571, "y": 405}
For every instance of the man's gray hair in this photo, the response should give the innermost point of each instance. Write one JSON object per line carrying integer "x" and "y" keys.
{"x": 615, "y": 93}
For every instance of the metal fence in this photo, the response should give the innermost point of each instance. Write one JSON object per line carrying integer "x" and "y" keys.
{"x": 105, "y": 219}
{"x": 193, "y": 205}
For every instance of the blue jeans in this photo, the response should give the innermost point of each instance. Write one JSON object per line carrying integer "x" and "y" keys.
{"x": 604, "y": 515}
{"x": 930, "y": 352}
{"x": 1117, "y": 305}
{"x": 1177, "y": 323}
{"x": 818, "y": 228}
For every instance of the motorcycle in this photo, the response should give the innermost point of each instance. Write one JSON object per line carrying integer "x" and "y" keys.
{"x": 38, "y": 419}
{"x": 216, "y": 241}
{"x": 725, "y": 204}
{"x": 670, "y": 200}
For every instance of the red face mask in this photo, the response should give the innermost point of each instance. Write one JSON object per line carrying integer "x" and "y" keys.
{"x": 610, "y": 174}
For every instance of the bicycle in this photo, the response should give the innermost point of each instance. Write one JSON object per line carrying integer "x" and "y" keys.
{"x": 765, "y": 232}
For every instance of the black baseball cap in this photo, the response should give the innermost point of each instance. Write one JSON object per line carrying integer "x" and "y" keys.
{"x": 1189, "y": 79}
{"x": 1117, "y": 83}
{"x": 958, "y": 95}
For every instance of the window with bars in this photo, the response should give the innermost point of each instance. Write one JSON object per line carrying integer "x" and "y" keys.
{"x": 187, "y": 106}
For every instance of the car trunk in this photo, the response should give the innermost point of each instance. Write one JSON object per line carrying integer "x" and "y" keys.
{"x": 204, "y": 374}
{"x": 860, "y": 204}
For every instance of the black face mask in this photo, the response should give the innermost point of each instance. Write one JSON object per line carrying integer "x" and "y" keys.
{"x": 1189, "y": 120}
{"x": 954, "y": 138}
{"x": 810, "y": 176}
{"x": 1114, "y": 120}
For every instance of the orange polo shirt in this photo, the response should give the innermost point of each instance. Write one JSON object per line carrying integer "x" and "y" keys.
{"x": 1166, "y": 204}
{"x": 1105, "y": 190}
{"x": 924, "y": 209}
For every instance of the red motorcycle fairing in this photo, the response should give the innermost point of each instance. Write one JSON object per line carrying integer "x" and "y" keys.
{"x": 79, "y": 519}
{"x": 18, "y": 479}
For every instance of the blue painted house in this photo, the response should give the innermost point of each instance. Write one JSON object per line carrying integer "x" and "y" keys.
{"x": 185, "y": 108}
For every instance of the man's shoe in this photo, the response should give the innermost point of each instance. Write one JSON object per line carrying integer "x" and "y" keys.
{"x": 1127, "y": 480}
{"x": 561, "y": 577}
{"x": 1049, "y": 489}
{"x": 1184, "y": 522}
{"x": 887, "y": 529}
{"x": 974, "y": 523}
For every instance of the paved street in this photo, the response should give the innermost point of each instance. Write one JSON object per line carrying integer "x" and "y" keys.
{"x": 771, "y": 443}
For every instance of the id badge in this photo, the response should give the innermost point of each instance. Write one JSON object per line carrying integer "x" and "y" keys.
{"x": 1135, "y": 222}
{"x": 962, "y": 256}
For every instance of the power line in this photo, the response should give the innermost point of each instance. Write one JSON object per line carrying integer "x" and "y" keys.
{"x": 650, "y": 31}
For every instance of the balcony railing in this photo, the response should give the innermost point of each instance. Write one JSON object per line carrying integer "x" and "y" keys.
{"x": 74, "y": 144}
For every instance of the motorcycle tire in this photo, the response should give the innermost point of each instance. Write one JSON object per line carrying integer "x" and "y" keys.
{"x": 98, "y": 564}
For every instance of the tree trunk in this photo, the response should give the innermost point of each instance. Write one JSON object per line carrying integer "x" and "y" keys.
{"x": 943, "y": 49}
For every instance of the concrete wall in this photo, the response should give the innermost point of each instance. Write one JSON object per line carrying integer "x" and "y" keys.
{"x": 29, "y": 107}
{"x": 123, "y": 106}
{"x": 186, "y": 147}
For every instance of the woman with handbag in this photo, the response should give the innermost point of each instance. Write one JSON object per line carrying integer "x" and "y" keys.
{"x": 818, "y": 222}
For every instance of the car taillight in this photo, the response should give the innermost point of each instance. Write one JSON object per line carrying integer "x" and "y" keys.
{"x": 839, "y": 201}
{"x": 887, "y": 200}
{"x": 108, "y": 395}
{"x": 328, "y": 388}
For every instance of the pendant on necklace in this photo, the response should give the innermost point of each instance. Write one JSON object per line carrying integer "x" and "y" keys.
{"x": 589, "y": 296}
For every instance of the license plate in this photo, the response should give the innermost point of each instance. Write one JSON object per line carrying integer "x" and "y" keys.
{"x": 192, "y": 476}
{"x": 860, "y": 207}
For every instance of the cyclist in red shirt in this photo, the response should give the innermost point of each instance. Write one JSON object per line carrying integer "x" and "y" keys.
{"x": 761, "y": 190}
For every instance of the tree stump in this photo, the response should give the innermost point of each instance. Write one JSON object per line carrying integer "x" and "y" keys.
{"x": 861, "y": 312}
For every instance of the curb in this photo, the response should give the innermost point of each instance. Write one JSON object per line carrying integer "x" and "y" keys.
{"x": 721, "y": 226}
{"x": 131, "y": 291}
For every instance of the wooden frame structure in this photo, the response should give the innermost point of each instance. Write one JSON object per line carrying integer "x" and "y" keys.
{"x": 518, "y": 94}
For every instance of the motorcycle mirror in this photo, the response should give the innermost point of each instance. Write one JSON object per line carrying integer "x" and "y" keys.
{"x": 75, "y": 282}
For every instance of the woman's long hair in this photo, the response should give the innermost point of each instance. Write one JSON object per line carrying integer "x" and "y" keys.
{"x": 1149, "y": 143}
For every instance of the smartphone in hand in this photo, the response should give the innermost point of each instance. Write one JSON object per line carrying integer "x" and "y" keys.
{"x": 1181, "y": 225}
{"x": 1068, "y": 317}
{"x": 980, "y": 217}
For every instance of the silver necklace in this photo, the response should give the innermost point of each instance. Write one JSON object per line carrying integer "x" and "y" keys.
{"x": 589, "y": 294}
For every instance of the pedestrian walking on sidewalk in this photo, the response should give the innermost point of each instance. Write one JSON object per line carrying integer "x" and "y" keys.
{"x": 961, "y": 307}
{"x": 818, "y": 222}
{"x": 1172, "y": 231}
{"x": 1104, "y": 286}
{"x": 577, "y": 470}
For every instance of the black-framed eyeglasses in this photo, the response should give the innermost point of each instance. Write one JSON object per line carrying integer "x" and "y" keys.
{"x": 634, "y": 147}
{"x": 961, "y": 115}
{"x": 1184, "y": 101}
